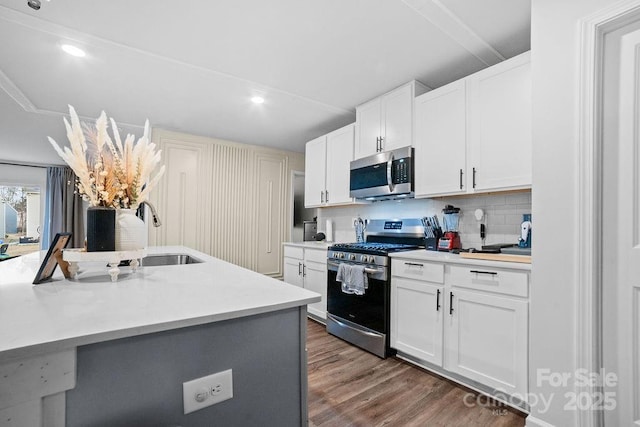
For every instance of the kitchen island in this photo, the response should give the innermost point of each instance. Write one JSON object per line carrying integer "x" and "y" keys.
{"x": 91, "y": 352}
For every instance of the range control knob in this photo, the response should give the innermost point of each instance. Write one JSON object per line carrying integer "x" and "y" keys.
{"x": 341, "y": 255}
{"x": 352, "y": 257}
{"x": 364, "y": 258}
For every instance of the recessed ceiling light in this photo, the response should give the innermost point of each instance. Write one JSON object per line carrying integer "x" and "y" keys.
{"x": 73, "y": 50}
{"x": 257, "y": 100}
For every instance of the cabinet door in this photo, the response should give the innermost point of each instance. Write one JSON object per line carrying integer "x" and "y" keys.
{"x": 315, "y": 279}
{"x": 440, "y": 141}
{"x": 339, "y": 155}
{"x": 416, "y": 319}
{"x": 293, "y": 271}
{"x": 397, "y": 111}
{"x": 500, "y": 125}
{"x": 315, "y": 169}
{"x": 368, "y": 119}
{"x": 486, "y": 339}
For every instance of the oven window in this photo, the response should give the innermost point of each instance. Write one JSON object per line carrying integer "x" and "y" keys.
{"x": 367, "y": 310}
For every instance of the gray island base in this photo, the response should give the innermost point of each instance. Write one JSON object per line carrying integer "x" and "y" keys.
{"x": 137, "y": 381}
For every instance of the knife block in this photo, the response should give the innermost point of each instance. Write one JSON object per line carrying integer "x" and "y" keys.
{"x": 431, "y": 243}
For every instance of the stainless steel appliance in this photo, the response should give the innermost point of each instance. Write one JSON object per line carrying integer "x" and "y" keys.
{"x": 383, "y": 176}
{"x": 310, "y": 230}
{"x": 364, "y": 320}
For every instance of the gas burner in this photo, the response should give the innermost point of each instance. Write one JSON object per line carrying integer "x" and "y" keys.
{"x": 372, "y": 247}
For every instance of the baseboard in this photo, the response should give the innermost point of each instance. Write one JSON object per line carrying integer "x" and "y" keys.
{"x": 536, "y": 422}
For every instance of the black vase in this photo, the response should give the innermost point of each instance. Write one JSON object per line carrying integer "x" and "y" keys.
{"x": 101, "y": 229}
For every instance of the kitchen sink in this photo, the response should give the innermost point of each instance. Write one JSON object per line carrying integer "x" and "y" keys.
{"x": 168, "y": 259}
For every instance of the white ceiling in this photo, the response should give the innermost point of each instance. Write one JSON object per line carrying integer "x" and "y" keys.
{"x": 192, "y": 66}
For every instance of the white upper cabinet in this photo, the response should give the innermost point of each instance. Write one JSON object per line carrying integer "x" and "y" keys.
{"x": 440, "y": 141}
{"x": 499, "y": 125}
{"x": 339, "y": 156}
{"x": 474, "y": 135}
{"x": 315, "y": 172}
{"x": 369, "y": 129}
{"x": 386, "y": 122}
{"x": 327, "y": 170}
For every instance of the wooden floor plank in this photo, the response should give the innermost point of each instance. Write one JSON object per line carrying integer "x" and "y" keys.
{"x": 351, "y": 387}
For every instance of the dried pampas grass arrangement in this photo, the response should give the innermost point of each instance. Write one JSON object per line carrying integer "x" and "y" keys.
{"x": 110, "y": 172}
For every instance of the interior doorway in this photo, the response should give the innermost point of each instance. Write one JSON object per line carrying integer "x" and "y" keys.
{"x": 299, "y": 213}
{"x": 620, "y": 260}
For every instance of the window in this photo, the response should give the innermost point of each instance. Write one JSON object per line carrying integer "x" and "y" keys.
{"x": 20, "y": 220}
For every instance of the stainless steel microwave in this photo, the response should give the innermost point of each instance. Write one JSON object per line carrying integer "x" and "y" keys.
{"x": 383, "y": 176}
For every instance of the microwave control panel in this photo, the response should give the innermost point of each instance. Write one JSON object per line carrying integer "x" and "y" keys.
{"x": 401, "y": 171}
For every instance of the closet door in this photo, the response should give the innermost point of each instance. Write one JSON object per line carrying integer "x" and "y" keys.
{"x": 183, "y": 196}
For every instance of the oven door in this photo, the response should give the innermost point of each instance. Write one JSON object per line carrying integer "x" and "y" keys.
{"x": 369, "y": 310}
{"x": 362, "y": 320}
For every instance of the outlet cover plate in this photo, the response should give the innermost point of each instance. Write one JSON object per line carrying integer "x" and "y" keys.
{"x": 207, "y": 391}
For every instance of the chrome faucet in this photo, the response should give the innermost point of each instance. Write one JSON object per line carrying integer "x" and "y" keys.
{"x": 154, "y": 214}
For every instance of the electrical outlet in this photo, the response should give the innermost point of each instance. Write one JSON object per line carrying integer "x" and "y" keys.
{"x": 207, "y": 391}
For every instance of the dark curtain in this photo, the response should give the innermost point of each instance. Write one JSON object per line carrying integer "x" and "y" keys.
{"x": 63, "y": 211}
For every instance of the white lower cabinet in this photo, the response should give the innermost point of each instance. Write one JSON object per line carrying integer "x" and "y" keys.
{"x": 463, "y": 319}
{"x": 417, "y": 313}
{"x": 307, "y": 268}
{"x": 487, "y": 340}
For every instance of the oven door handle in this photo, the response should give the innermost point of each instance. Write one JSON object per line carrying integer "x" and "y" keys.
{"x": 366, "y": 270}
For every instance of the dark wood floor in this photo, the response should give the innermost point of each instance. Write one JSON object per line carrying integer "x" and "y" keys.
{"x": 350, "y": 387}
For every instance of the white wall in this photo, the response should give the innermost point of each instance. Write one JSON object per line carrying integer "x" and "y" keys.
{"x": 555, "y": 54}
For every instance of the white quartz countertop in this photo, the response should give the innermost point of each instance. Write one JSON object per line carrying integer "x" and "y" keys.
{"x": 309, "y": 245}
{"x": 451, "y": 258}
{"x": 65, "y": 313}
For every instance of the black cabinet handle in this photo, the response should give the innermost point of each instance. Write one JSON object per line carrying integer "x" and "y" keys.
{"x": 493, "y": 273}
{"x": 326, "y": 196}
{"x": 304, "y": 270}
{"x": 461, "y": 173}
{"x": 438, "y": 301}
{"x": 381, "y": 141}
{"x": 451, "y": 303}
{"x": 414, "y": 263}
{"x": 377, "y": 144}
{"x": 474, "y": 177}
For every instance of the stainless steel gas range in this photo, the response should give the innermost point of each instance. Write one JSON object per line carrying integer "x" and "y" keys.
{"x": 363, "y": 319}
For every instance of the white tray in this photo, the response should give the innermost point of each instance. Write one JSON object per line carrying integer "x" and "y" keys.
{"x": 112, "y": 258}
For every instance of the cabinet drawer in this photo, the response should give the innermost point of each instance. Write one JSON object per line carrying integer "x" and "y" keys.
{"x": 293, "y": 252}
{"x": 414, "y": 269}
{"x": 315, "y": 255}
{"x": 501, "y": 281}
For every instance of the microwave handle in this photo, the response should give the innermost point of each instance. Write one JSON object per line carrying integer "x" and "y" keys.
{"x": 390, "y": 172}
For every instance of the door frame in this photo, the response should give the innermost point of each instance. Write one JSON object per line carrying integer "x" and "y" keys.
{"x": 589, "y": 309}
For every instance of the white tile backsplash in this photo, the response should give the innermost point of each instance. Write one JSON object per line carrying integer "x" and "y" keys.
{"x": 503, "y": 215}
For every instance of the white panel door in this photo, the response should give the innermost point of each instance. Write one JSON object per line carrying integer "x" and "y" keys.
{"x": 397, "y": 118}
{"x": 486, "y": 339}
{"x": 315, "y": 170}
{"x": 622, "y": 314}
{"x": 184, "y": 196}
{"x": 339, "y": 155}
{"x": 368, "y": 119}
{"x": 499, "y": 125}
{"x": 416, "y": 319}
{"x": 270, "y": 217}
{"x": 440, "y": 141}
{"x": 315, "y": 279}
